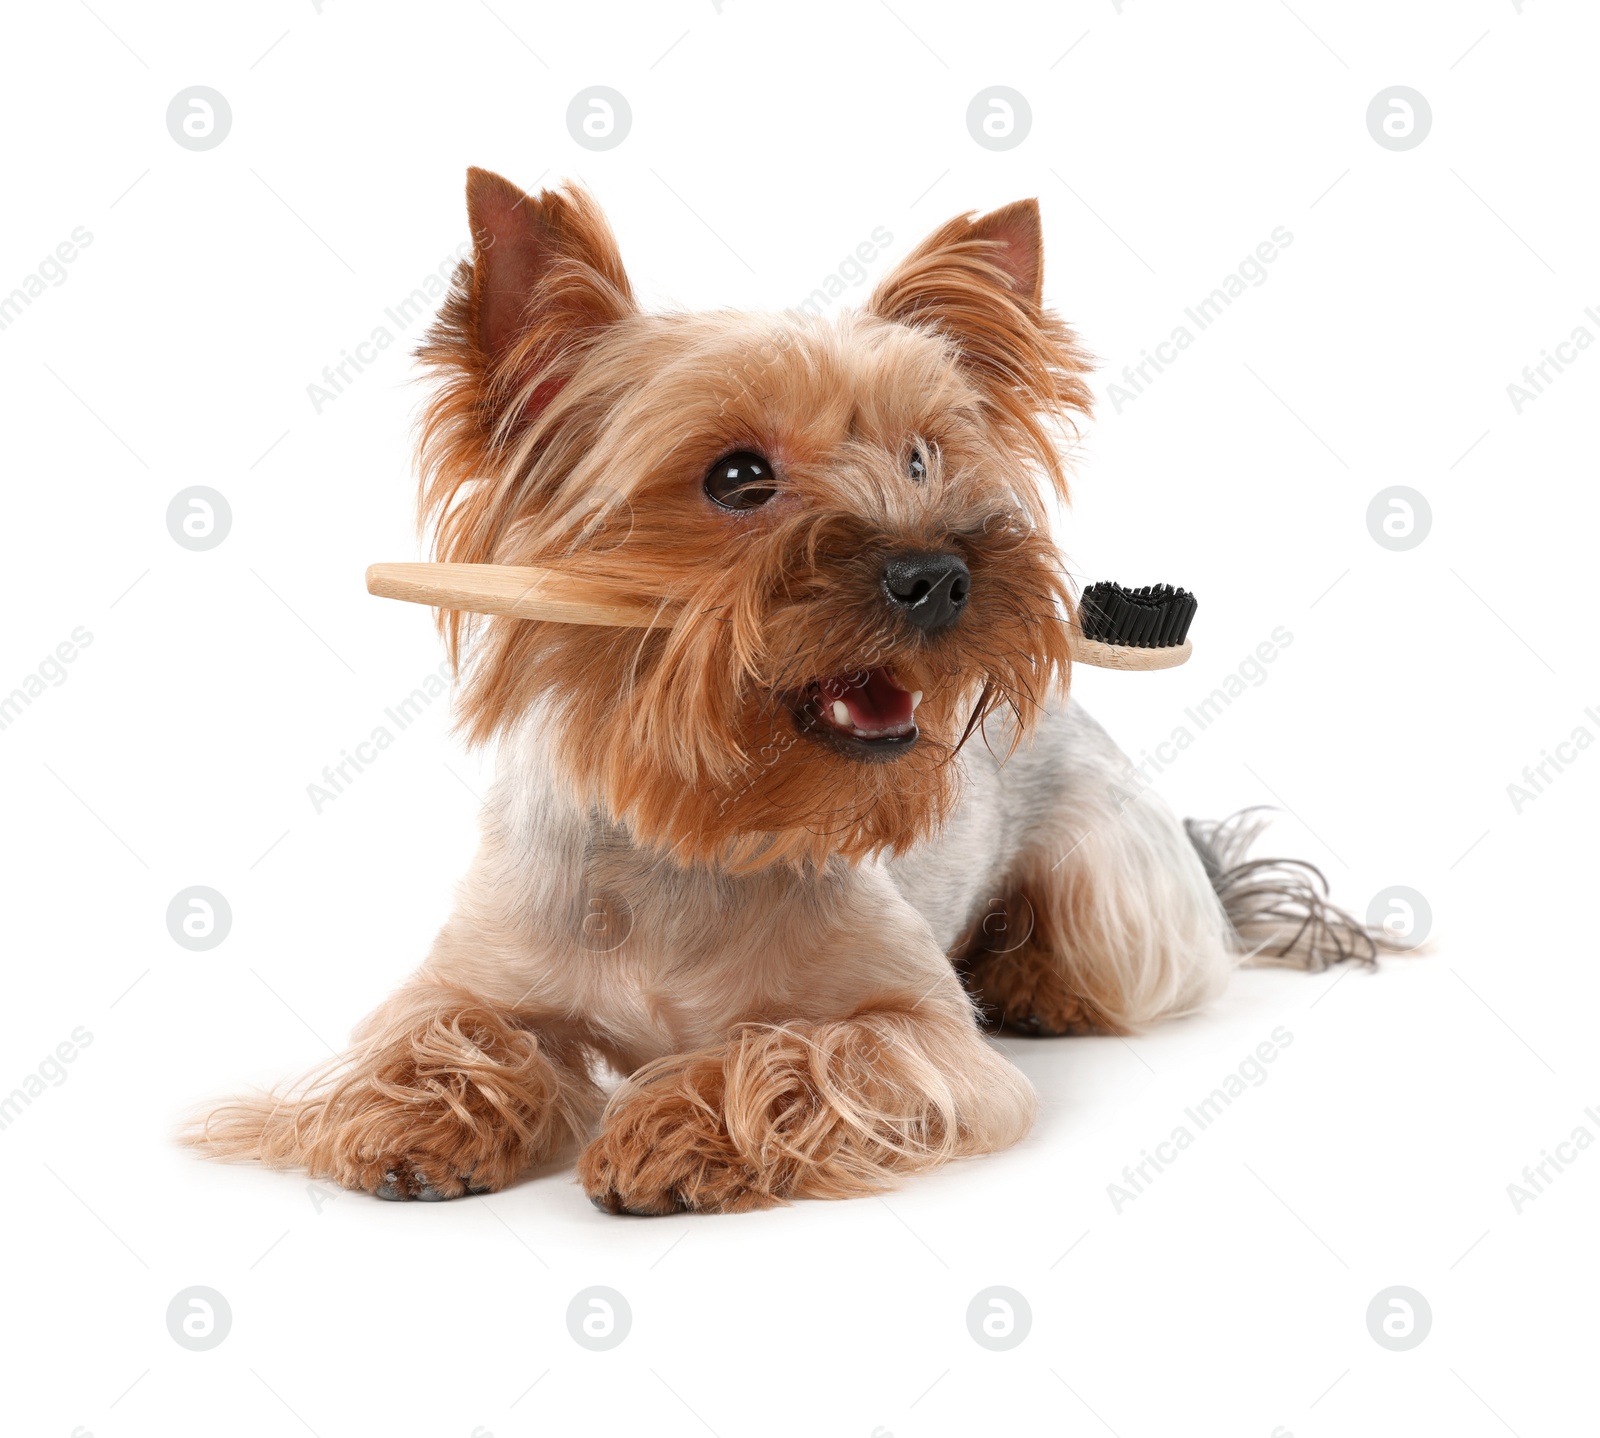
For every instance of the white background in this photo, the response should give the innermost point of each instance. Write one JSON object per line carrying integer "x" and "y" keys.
{"x": 767, "y": 141}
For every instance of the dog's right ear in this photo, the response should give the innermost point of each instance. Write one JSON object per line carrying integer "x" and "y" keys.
{"x": 543, "y": 269}
{"x": 544, "y": 281}
{"x": 545, "y": 275}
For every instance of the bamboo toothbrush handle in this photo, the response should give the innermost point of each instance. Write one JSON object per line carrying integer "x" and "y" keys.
{"x": 515, "y": 590}
{"x": 1126, "y": 656}
{"x": 522, "y": 592}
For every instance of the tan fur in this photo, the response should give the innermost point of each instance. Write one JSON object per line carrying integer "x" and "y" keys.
{"x": 828, "y": 1110}
{"x": 677, "y": 880}
{"x": 588, "y": 425}
{"x": 440, "y": 1094}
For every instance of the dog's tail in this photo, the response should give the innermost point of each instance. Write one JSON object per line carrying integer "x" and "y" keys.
{"x": 1279, "y": 909}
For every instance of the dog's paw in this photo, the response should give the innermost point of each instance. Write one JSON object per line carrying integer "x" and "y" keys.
{"x": 402, "y": 1178}
{"x": 1024, "y": 992}
{"x": 426, "y": 1180}
{"x": 664, "y": 1149}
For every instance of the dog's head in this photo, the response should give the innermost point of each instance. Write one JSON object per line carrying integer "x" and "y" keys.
{"x": 850, "y": 515}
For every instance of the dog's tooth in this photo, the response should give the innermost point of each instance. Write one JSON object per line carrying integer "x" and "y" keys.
{"x": 841, "y": 714}
{"x": 916, "y": 699}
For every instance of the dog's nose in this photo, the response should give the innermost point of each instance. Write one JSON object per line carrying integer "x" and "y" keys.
{"x": 932, "y": 589}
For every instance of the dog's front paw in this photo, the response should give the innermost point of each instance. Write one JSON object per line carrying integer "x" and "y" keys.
{"x": 425, "y": 1179}
{"x": 664, "y": 1148}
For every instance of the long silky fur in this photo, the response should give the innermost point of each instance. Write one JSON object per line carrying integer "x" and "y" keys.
{"x": 668, "y": 879}
{"x": 1279, "y": 909}
{"x": 788, "y": 1111}
{"x": 582, "y": 446}
{"x": 437, "y": 1073}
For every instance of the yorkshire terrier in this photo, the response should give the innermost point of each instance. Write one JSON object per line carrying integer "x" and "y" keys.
{"x": 749, "y": 862}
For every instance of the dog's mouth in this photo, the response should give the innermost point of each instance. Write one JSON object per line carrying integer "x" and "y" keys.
{"x": 866, "y": 715}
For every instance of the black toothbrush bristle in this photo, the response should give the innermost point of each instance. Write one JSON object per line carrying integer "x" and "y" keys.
{"x": 1156, "y": 616}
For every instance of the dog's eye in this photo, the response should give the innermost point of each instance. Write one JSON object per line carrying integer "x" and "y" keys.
{"x": 915, "y": 467}
{"x": 741, "y": 480}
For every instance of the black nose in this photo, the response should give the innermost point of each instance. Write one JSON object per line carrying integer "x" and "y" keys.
{"x": 931, "y": 588}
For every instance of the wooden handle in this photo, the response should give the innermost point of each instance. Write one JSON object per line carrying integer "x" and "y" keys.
{"x": 514, "y": 590}
{"x": 1126, "y": 656}
{"x": 523, "y": 592}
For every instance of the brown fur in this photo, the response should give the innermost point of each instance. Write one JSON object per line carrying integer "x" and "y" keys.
{"x": 602, "y": 420}
{"x": 765, "y": 972}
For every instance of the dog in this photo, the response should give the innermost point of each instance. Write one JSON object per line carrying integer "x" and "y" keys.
{"x": 782, "y": 864}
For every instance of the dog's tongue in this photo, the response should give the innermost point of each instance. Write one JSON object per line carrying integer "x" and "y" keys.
{"x": 874, "y": 701}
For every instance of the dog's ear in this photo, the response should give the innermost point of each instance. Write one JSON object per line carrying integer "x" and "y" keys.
{"x": 544, "y": 282}
{"x": 1017, "y": 237}
{"x": 544, "y": 267}
{"x": 970, "y": 272}
{"x": 979, "y": 282}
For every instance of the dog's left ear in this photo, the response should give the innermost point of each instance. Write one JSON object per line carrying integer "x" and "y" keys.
{"x": 979, "y": 282}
